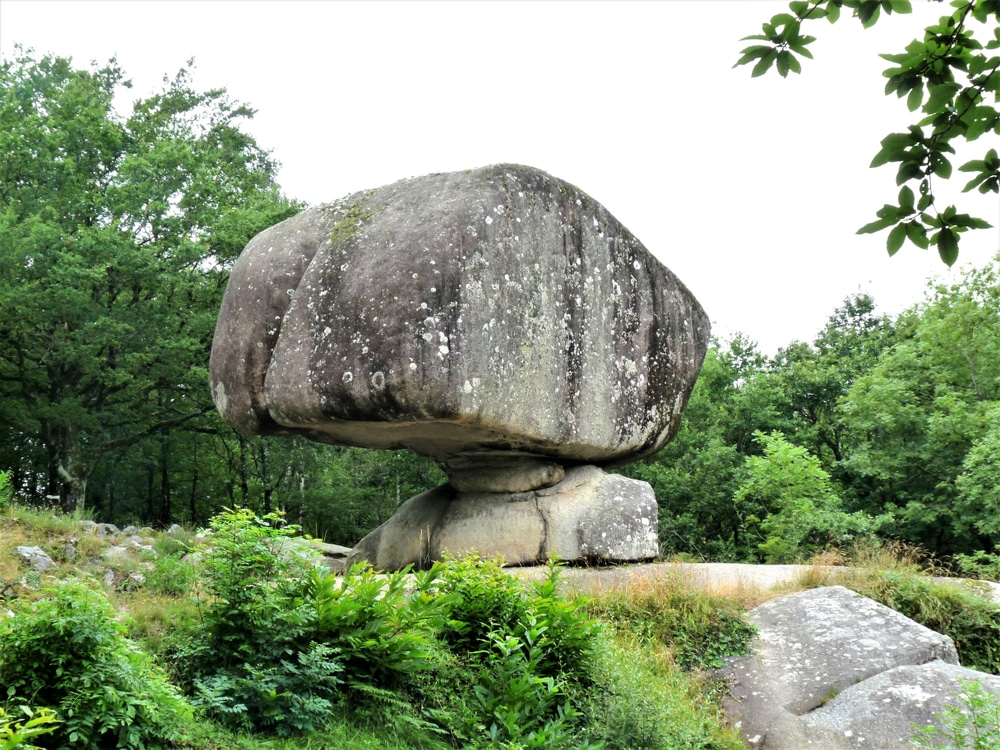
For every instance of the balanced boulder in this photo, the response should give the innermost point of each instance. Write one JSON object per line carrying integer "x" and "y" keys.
{"x": 498, "y": 320}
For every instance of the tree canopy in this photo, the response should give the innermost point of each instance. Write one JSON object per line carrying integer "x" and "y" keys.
{"x": 116, "y": 233}
{"x": 949, "y": 80}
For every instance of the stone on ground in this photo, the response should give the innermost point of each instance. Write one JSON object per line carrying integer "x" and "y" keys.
{"x": 832, "y": 669}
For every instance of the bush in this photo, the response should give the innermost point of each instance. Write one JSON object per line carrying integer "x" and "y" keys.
{"x": 67, "y": 652}
{"x": 6, "y": 491}
{"x": 517, "y": 650}
{"x": 252, "y": 663}
{"x": 16, "y": 734}
{"x": 975, "y": 725}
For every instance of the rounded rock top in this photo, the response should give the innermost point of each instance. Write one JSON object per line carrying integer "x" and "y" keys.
{"x": 495, "y": 312}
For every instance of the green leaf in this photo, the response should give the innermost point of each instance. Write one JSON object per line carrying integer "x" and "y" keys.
{"x": 895, "y": 239}
{"x": 915, "y": 97}
{"x": 900, "y": 6}
{"x": 917, "y": 234}
{"x": 906, "y": 199}
{"x": 909, "y": 171}
{"x": 832, "y": 12}
{"x": 764, "y": 64}
{"x": 894, "y": 147}
{"x": 947, "y": 245}
{"x": 940, "y": 166}
{"x": 783, "y": 63}
{"x": 752, "y": 53}
{"x": 969, "y": 222}
{"x": 940, "y": 96}
{"x": 868, "y": 13}
{"x": 877, "y": 226}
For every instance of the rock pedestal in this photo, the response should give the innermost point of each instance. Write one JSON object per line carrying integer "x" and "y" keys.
{"x": 499, "y": 321}
{"x": 589, "y": 516}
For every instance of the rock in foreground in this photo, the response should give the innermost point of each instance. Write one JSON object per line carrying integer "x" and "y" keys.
{"x": 833, "y": 669}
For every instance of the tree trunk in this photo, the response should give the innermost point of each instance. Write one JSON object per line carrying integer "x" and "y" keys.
{"x": 73, "y": 471}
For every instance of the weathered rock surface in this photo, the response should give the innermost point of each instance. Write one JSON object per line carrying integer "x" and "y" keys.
{"x": 36, "y": 558}
{"x": 589, "y": 515}
{"x": 832, "y": 669}
{"x": 497, "y": 320}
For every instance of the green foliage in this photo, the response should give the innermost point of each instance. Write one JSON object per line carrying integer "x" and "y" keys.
{"x": 799, "y": 504}
{"x": 6, "y": 491}
{"x": 699, "y": 630}
{"x": 14, "y": 734}
{"x": 116, "y": 233}
{"x": 68, "y": 653}
{"x": 515, "y": 648}
{"x": 980, "y": 564}
{"x": 645, "y": 703}
{"x": 914, "y": 421}
{"x": 386, "y": 625}
{"x": 252, "y": 663}
{"x": 973, "y": 725}
{"x": 979, "y": 483}
{"x": 949, "y": 76}
{"x": 171, "y": 576}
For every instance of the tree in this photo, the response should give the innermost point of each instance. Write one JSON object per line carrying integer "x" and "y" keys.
{"x": 116, "y": 234}
{"x": 913, "y": 420}
{"x": 949, "y": 76}
{"x": 799, "y": 508}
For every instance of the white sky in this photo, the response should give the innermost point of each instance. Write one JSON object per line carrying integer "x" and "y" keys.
{"x": 750, "y": 190}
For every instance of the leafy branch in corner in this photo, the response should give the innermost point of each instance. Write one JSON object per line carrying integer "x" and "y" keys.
{"x": 949, "y": 76}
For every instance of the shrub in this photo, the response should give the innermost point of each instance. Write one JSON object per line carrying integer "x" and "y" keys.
{"x": 67, "y": 652}
{"x": 975, "y": 725}
{"x": 6, "y": 491}
{"x": 516, "y": 651}
{"x": 16, "y": 734}
{"x": 252, "y": 662}
{"x": 386, "y": 626}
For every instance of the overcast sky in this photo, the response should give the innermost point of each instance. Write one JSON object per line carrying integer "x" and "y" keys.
{"x": 750, "y": 190}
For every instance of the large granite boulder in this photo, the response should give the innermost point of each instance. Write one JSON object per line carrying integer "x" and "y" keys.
{"x": 498, "y": 320}
{"x": 832, "y": 669}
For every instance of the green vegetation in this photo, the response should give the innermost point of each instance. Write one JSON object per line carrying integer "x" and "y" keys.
{"x": 260, "y": 646}
{"x": 16, "y": 733}
{"x": 974, "y": 725}
{"x": 949, "y": 76}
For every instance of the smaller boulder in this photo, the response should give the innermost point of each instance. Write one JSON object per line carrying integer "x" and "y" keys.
{"x": 883, "y": 711}
{"x": 36, "y": 558}
{"x": 589, "y": 516}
